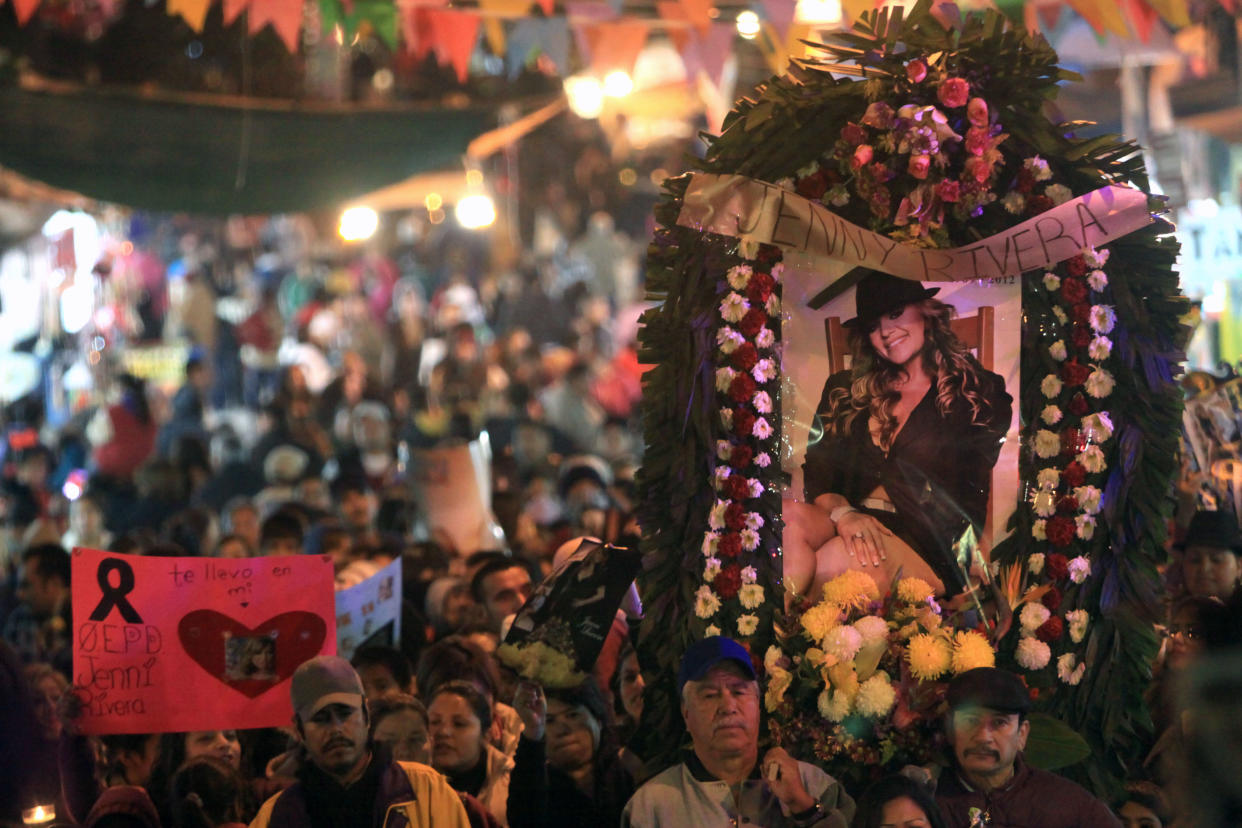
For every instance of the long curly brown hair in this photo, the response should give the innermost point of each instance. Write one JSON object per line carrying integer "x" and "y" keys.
{"x": 873, "y": 388}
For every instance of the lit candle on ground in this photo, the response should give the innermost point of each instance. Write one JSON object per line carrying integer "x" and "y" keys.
{"x": 39, "y": 815}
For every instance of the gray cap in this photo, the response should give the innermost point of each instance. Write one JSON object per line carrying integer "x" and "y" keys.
{"x": 322, "y": 681}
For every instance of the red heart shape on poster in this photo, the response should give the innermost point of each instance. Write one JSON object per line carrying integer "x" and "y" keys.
{"x": 251, "y": 660}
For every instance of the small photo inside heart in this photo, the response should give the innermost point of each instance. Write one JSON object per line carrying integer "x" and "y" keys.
{"x": 250, "y": 658}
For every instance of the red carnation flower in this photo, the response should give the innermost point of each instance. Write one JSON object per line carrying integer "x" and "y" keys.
{"x": 743, "y": 422}
{"x": 760, "y": 287}
{"x": 730, "y": 545}
{"x": 853, "y": 134}
{"x": 1081, "y": 335}
{"x": 1071, "y": 441}
{"x": 1078, "y": 405}
{"x": 1081, "y": 312}
{"x": 1076, "y": 265}
{"x": 770, "y": 254}
{"x": 1060, "y": 532}
{"x": 1073, "y": 290}
{"x": 1074, "y": 475}
{"x": 1037, "y": 204}
{"x": 736, "y": 488}
{"x": 954, "y": 92}
{"x": 741, "y": 456}
{"x": 1050, "y": 630}
{"x": 948, "y": 190}
{"x": 728, "y": 581}
{"x": 735, "y": 516}
{"x": 1067, "y": 504}
{"x": 1026, "y": 181}
{"x": 813, "y": 186}
{"x": 742, "y": 388}
{"x": 745, "y": 357}
{"x": 752, "y": 323}
{"x": 1074, "y": 373}
{"x": 1056, "y": 564}
{"x": 1052, "y": 599}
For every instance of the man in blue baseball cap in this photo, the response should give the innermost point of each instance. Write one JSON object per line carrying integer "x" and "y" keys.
{"x": 722, "y": 780}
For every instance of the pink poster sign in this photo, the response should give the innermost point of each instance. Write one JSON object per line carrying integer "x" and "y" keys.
{"x": 169, "y": 644}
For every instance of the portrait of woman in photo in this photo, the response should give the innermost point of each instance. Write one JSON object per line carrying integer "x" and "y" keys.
{"x": 900, "y": 453}
{"x": 255, "y": 659}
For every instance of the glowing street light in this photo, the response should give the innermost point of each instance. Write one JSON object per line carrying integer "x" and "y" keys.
{"x": 358, "y": 224}
{"x": 748, "y": 24}
{"x": 475, "y": 212}
{"x": 618, "y": 84}
{"x": 586, "y": 95}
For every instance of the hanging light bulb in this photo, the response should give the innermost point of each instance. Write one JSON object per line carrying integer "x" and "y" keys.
{"x": 475, "y": 212}
{"x": 748, "y": 24}
{"x": 618, "y": 84}
{"x": 586, "y": 95}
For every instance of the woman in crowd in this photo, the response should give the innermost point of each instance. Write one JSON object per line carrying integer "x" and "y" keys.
{"x": 399, "y": 721}
{"x": 460, "y": 717}
{"x": 900, "y": 464}
{"x": 178, "y": 748}
{"x": 1144, "y": 805}
{"x": 207, "y": 792}
{"x": 897, "y": 802}
{"x": 568, "y": 769}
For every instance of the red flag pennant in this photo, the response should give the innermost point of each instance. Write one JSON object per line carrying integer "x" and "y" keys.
{"x": 714, "y": 50}
{"x": 1050, "y": 14}
{"x": 232, "y": 8}
{"x": 616, "y": 45}
{"x": 24, "y": 9}
{"x": 284, "y": 15}
{"x": 455, "y": 34}
{"x": 699, "y": 13}
{"x": 675, "y": 13}
{"x": 548, "y": 7}
{"x": 1142, "y": 18}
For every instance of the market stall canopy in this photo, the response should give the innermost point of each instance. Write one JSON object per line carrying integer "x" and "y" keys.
{"x": 204, "y": 154}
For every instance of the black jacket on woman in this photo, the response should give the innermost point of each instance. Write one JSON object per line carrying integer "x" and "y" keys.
{"x": 541, "y": 795}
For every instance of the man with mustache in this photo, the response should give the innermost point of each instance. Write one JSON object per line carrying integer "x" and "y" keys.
{"x": 723, "y": 781}
{"x": 347, "y": 781}
{"x": 991, "y": 785}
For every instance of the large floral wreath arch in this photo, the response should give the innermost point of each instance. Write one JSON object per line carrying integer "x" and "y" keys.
{"x": 935, "y": 136}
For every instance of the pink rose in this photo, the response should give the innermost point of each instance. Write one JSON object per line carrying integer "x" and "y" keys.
{"x": 916, "y": 70}
{"x": 949, "y": 191}
{"x": 954, "y": 92}
{"x": 918, "y": 166}
{"x": 978, "y": 141}
{"x": 977, "y": 112}
{"x": 978, "y": 169}
{"x": 878, "y": 115}
{"x": 862, "y": 156}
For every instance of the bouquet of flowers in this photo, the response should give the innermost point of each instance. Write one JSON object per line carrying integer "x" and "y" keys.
{"x": 859, "y": 683}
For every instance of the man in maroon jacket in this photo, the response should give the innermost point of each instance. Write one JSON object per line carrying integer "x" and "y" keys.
{"x": 990, "y": 784}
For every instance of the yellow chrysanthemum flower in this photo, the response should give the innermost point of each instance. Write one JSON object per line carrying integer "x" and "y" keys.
{"x": 819, "y": 620}
{"x": 914, "y": 590}
{"x": 971, "y": 650}
{"x": 852, "y": 588}
{"x": 929, "y": 656}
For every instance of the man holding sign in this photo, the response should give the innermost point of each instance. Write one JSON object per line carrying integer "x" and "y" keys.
{"x": 347, "y": 781}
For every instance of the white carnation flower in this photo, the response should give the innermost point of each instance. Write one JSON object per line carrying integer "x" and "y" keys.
{"x": 1100, "y": 348}
{"x": 1039, "y": 531}
{"x": 1051, "y": 386}
{"x": 765, "y": 338}
{"x": 1033, "y": 616}
{"x": 843, "y": 642}
{"x": 764, "y": 370}
{"x": 1065, "y": 666}
{"x": 706, "y": 602}
{"x": 1077, "y": 620}
{"x": 1038, "y": 167}
{"x": 1051, "y": 281}
{"x": 1100, "y": 383}
{"x": 726, "y": 417}
{"x": 749, "y": 575}
{"x": 747, "y": 624}
{"x": 1096, "y": 258}
{"x": 1035, "y": 563}
{"x": 1050, "y": 415}
{"x": 733, "y": 307}
{"x": 1079, "y": 569}
{"x": 722, "y": 474}
{"x": 729, "y": 339}
{"x": 1059, "y": 193}
{"x": 1098, "y": 426}
{"x": 739, "y": 276}
{"x": 772, "y": 657}
{"x": 763, "y": 459}
{"x": 1014, "y": 202}
{"x": 1033, "y": 654}
{"x": 1092, "y": 459}
{"x": 756, "y": 488}
{"x": 750, "y": 539}
{"x": 1084, "y": 527}
{"x": 833, "y": 706}
{"x": 1102, "y": 318}
{"x": 762, "y": 428}
{"x": 711, "y": 542}
{"x": 1088, "y": 498}
{"x": 1047, "y": 443}
{"x": 1048, "y": 478}
{"x": 1060, "y": 314}
{"x": 724, "y": 378}
{"x": 716, "y": 517}
{"x": 1057, "y": 350}
{"x": 763, "y": 402}
{"x": 1098, "y": 280}
{"x": 750, "y": 595}
{"x": 748, "y": 248}
{"x": 754, "y": 520}
{"x": 876, "y": 696}
{"x": 872, "y": 628}
{"x": 724, "y": 449}
{"x": 772, "y": 306}
{"x": 1044, "y": 502}
{"x": 711, "y": 569}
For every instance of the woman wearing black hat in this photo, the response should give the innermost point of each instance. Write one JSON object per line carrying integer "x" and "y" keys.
{"x": 900, "y": 457}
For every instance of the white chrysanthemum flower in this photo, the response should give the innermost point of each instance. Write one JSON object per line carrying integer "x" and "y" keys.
{"x": 1057, "y": 350}
{"x": 1102, "y": 318}
{"x": 729, "y": 339}
{"x": 750, "y": 539}
{"x": 763, "y": 459}
{"x": 1033, "y": 654}
{"x": 1059, "y": 193}
{"x": 733, "y": 307}
{"x": 711, "y": 542}
{"x": 1084, "y": 527}
{"x": 716, "y": 517}
{"x": 1077, "y": 621}
{"x": 1100, "y": 383}
{"x": 876, "y": 696}
{"x": 739, "y": 276}
{"x": 1079, "y": 569}
{"x": 1048, "y": 478}
{"x": 1065, "y": 666}
{"x": 724, "y": 449}
{"x": 1060, "y": 314}
{"x": 726, "y": 417}
{"x": 747, "y": 624}
{"x": 724, "y": 378}
{"x": 750, "y": 595}
{"x": 1098, "y": 280}
{"x": 763, "y": 402}
{"x": 1092, "y": 459}
{"x": 711, "y": 569}
{"x": 833, "y": 706}
{"x": 1033, "y": 616}
{"x": 765, "y": 338}
{"x": 1100, "y": 348}
{"x": 754, "y": 520}
{"x": 772, "y": 657}
{"x": 1051, "y": 281}
{"x": 1088, "y": 498}
{"x": 1035, "y": 563}
{"x": 773, "y": 305}
{"x": 872, "y": 628}
{"x": 748, "y": 248}
{"x": 1038, "y": 167}
{"x": 1098, "y": 427}
{"x": 807, "y": 170}
{"x": 1047, "y": 443}
{"x": 764, "y": 370}
{"x": 1014, "y": 202}
{"x": 1050, "y": 385}
{"x": 711, "y": 630}
{"x": 762, "y": 428}
{"x": 721, "y": 474}
{"x": 1051, "y": 414}
{"x": 843, "y": 642}
{"x": 706, "y": 602}
{"x": 1044, "y": 502}
{"x": 749, "y": 575}
{"x": 756, "y": 487}
{"x": 1096, "y": 257}
{"x": 1039, "y": 531}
